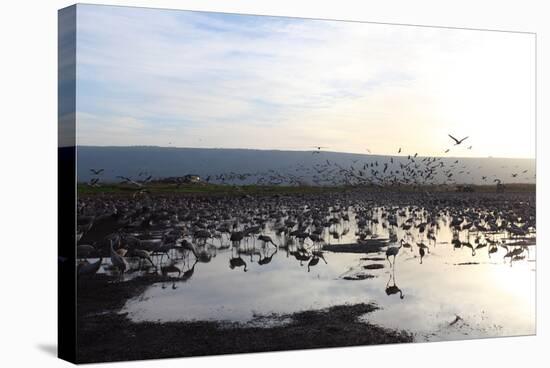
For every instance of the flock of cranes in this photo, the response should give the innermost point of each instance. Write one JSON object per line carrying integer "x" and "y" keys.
{"x": 170, "y": 236}
{"x": 390, "y": 171}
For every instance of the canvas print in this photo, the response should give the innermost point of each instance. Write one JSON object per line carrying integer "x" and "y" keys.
{"x": 238, "y": 183}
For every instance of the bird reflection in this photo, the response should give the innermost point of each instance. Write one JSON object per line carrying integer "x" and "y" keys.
{"x": 393, "y": 289}
{"x": 189, "y": 273}
{"x": 238, "y": 262}
{"x": 315, "y": 260}
{"x": 267, "y": 258}
{"x": 301, "y": 256}
{"x": 469, "y": 245}
{"x": 170, "y": 269}
{"x": 516, "y": 254}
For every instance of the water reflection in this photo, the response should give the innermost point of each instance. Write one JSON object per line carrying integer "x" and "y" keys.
{"x": 455, "y": 271}
{"x": 393, "y": 289}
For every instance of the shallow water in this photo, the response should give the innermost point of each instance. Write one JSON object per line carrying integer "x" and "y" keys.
{"x": 489, "y": 295}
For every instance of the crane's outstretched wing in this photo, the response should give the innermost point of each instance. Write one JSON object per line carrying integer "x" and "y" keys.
{"x": 454, "y": 139}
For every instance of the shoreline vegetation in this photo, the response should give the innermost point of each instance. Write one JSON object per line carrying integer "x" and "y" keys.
{"x": 203, "y": 188}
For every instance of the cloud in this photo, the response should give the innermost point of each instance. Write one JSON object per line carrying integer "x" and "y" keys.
{"x": 266, "y": 82}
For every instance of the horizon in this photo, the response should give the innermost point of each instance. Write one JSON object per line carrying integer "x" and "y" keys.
{"x": 309, "y": 151}
{"x": 134, "y": 161}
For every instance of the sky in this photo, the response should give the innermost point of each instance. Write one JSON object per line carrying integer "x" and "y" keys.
{"x": 198, "y": 79}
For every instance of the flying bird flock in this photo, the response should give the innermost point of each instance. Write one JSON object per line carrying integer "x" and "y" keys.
{"x": 366, "y": 170}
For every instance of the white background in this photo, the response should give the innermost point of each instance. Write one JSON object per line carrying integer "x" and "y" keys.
{"x": 28, "y": 144}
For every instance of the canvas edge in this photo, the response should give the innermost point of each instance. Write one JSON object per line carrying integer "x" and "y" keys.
{"x": 66, "y": 188}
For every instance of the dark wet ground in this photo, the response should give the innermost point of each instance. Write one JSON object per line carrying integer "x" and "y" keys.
{"x": 105, "y": 335}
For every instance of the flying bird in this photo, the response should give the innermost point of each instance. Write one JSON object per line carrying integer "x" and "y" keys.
{"x": 457, "y": 140}
{"x": 318, "y": 149}
{"x": 97, "y": 172}
{"x": 129, "y": 181}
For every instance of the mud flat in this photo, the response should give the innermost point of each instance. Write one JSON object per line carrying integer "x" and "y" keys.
{"x": 105, "y": 334}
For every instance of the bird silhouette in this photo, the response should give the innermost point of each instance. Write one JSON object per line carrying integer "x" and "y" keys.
{"x": 238, "y": 262}
{"x": 392, "y": 251}
{"x": 458, "y": 141}
{"x": 393, "y": 289}
{"x": 422, "y": 253}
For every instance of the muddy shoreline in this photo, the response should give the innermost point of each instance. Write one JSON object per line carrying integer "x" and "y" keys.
{"x": 104, "y": 334}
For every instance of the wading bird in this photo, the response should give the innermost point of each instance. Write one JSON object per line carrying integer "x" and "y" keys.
{"x": 392, "y": 251}
{"x": 117, "y": 260}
